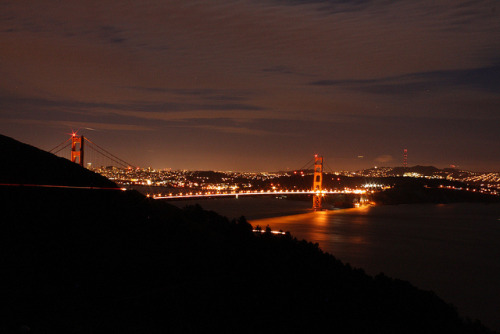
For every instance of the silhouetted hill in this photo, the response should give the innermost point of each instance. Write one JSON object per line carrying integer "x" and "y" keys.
{"x": 417, "y": 190}
{"x": 25, "y": 164}
{"x": 101, "y": 261}
{"x": 423, "y": 170}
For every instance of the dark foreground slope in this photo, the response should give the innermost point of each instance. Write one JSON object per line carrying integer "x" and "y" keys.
{"x": 103, "y": 261}
{"x": 118, "y": 262}
{"x": 25, "y": 164}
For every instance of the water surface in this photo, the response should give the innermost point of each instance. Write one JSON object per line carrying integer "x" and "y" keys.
{"x": 453, "y": 249}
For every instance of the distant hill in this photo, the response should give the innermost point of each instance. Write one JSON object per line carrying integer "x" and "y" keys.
{"x": 25, "y": 164}
{"x": 395, "y": 171}
{"x": 417, "y": 191}
{"x": 423, "y": 170}
{"x": 100, "y": 261}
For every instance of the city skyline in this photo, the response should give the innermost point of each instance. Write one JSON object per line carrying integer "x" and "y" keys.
{"x": 257, "y": 85}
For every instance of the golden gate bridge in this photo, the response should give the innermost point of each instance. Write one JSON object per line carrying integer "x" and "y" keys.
{"x": 82, "y": 148}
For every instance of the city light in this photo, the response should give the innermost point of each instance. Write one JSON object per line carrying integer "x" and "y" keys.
{"x": 171, "y": 183}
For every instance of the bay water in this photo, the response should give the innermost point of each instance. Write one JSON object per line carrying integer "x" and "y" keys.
{"x": 452, "y": 249}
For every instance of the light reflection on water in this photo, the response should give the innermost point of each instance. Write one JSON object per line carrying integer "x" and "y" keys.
{"x": 450, "y": 249}
{"x": 338, "y": 232}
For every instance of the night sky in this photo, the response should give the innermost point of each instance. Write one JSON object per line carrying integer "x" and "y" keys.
{"x": 256, "y": 85}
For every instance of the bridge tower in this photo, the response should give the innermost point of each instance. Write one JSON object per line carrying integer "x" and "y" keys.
{"x": 317, "y": 182}
{"x": 77, "y": 145}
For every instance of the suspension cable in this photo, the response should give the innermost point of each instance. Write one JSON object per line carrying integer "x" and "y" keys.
{"x": 64, "y": 142}
{"x": 110, "y": 155}
{"x": 97, "y": 150}
{"x": 62, "y": 148}
{"x": 330, "y": 168}
{"x": 307, "y": 164}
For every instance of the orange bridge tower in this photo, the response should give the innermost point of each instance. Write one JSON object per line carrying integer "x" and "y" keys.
{"x": 317, "y": 182}
{"x": 77, "y": 145}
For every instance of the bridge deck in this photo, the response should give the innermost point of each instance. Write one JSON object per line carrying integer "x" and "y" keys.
{"x": 255, "y": 193}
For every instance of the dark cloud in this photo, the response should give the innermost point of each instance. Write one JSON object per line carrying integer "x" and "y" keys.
{"x": 111, "y": 34}
{"x": 331, "y": 6}
{"x": 8, "y": 102}
{"x": 31, "y": 104}
{"x": 278, "y": 69}
{"x": 83, "y": 125}
{"x": 15, "y": 105}
{"x": 285, "y": 70}
{"x": 484, "y": 78}
{"x": 469, "y": 11}
{"x": 206, "y": 94}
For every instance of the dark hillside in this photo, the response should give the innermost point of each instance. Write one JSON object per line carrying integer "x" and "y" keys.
{"x": 417, "y": 191}
{"x": 100, "y": 261}
{"x": 25, "y": 164}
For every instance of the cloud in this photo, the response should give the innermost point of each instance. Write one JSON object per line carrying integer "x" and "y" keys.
{"x": 111, "y": 34}
{"x": 331, "y": 6}
{"x": 384, "y": 158}
{"x": 35, "y": 102}
{"x": 231, "y": 130}
{"x": 484, "y": 78}
{"x": 237, "y": 115}
{"x": 81, "y": 125}
{"x": 209, "y": 94}
{"x": 79, "y": 112}
{"x": 285, "y": 70}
